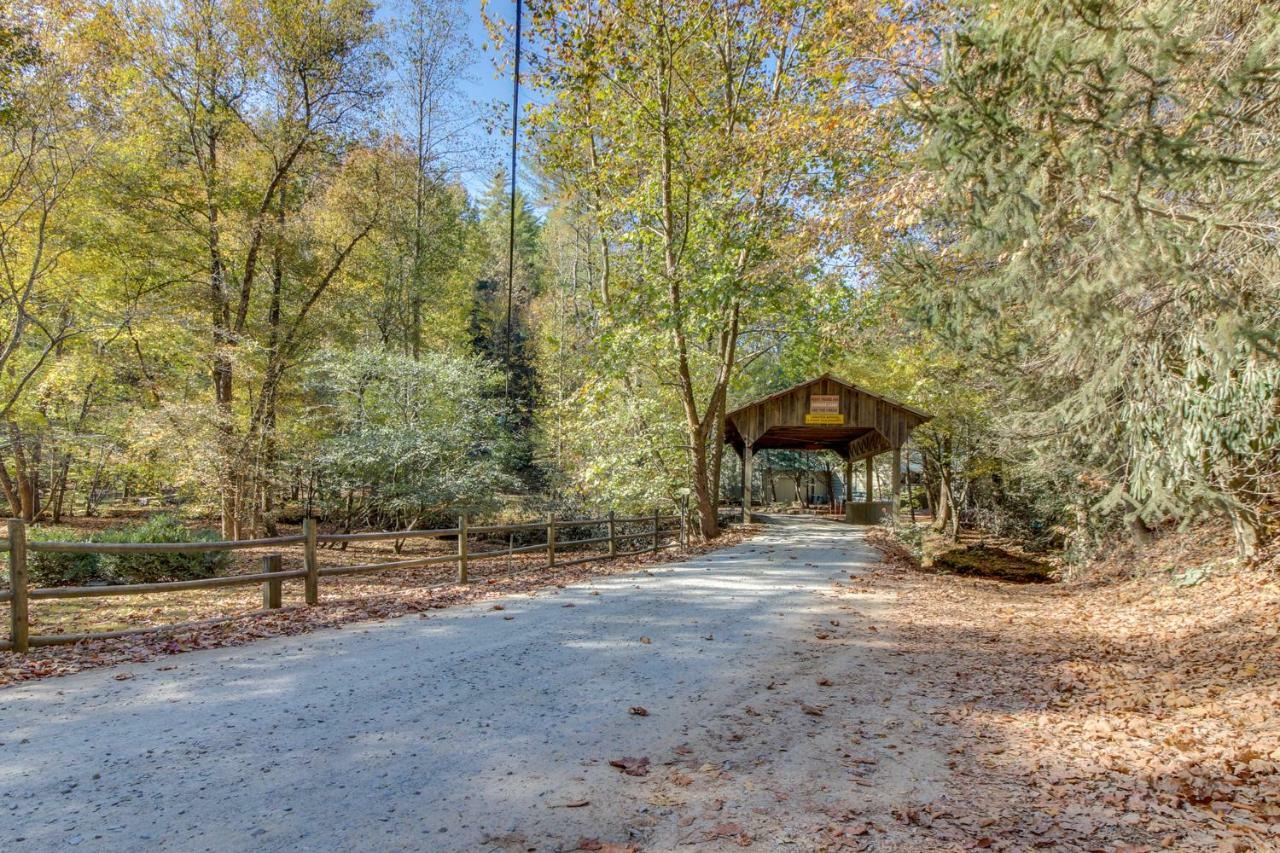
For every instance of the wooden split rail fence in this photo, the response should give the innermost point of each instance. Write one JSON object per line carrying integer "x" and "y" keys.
{"x": 272, "y": 576}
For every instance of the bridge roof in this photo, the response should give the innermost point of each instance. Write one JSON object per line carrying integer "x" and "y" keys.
{"x": 826, "y": 413}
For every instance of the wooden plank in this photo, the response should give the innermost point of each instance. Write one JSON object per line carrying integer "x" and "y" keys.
{"x": 168, "y": 586}
{"x": 385, "y": 535}
{"x": 644, "y": 535}
{"x": 551, "y": 541}
{"x": 505, "y": 528}
{"x": 895, "y": 482}
{"x": 472, "y": 556}
{"x": 160, "y": 547}
{"x": 595, "y": 540}
{"x": 613, "y": 535}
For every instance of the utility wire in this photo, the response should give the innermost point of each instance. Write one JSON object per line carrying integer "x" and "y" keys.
{"x": 511, "y": 228}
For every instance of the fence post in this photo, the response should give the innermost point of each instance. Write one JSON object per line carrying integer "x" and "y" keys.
{"x": 613, "y": 536}
{"x": 551, "y": 540}
{"x": 272, "y": 593}
{"x": 310, "y": 561}
{"x": 462, "y": 548}
{"x": 655, "y": 530}
{"x": 18, "y": 616}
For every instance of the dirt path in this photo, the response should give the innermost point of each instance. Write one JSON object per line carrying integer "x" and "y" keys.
{"x": 485, "y": 728}
{"x": 794, "y": 692}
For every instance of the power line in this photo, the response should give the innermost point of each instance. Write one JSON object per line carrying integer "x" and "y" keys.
{"x": 511, "y": 227}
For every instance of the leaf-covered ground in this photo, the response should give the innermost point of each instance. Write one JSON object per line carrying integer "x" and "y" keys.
{"x": 1136, "y": 712}
{"x": 229, "y": 616}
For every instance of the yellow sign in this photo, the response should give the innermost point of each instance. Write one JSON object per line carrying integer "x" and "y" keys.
{"x": 836, "y": 419}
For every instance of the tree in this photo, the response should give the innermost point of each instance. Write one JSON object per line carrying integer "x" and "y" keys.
{"x": 46, "y": 143}
{"x": 416, "y": 438}
{"x": 252, "y": 102}
{"x": 1105, "y": 237}
{"x": 433, "y": 51}
{"x": 700, "y": 140}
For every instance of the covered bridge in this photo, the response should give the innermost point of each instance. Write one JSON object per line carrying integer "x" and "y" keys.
{"x": 826, "y": 413}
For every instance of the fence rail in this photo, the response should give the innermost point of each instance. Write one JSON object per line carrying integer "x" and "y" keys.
{"x": 20, "y": 593}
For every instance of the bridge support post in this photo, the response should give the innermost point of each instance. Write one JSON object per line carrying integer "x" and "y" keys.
{"x": 848, "y": 486}
{"x": 746, "y": 483}
{"x": 895, "y": 483}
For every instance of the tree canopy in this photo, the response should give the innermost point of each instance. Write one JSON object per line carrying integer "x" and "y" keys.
{"x": 255, "y": 255}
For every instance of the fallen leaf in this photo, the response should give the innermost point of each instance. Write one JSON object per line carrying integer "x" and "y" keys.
{"x": 723, "y": 830}
{"x": 631, "y": 766}
{"x": 638, "y": 710}
{"x": 811, "y": 710}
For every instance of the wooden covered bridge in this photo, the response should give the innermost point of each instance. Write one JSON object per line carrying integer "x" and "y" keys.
{"x": 827, "y": 413}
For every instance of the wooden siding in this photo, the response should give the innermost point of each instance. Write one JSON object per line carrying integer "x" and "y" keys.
{"x": 890, "y": 423}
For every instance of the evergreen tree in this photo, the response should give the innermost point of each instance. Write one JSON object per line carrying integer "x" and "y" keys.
{"x": 500, "y": 325}
{"x": 1106, "y": 238}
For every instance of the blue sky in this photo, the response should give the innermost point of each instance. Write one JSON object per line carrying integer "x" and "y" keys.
{"x": 492, "y": 147}
{"x": 485, "y": 92}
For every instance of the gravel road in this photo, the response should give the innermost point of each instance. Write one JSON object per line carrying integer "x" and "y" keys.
{"x": 479, "y": 728}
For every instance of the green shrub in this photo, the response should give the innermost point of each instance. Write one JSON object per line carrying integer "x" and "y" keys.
{"x": 157, "y": 568}
{"x": 49, "y": 569}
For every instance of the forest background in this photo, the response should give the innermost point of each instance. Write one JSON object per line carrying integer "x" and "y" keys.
{"x": 242, "y": 278}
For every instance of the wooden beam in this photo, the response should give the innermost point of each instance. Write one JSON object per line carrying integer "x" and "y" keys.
{"x": 867, "y": 445}
{"x": 746, "y": 484}
{"x": 870, "y": 478}
{"x": 895, "y": 482}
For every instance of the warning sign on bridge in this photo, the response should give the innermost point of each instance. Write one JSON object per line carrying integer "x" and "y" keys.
{"x": 824, "y": 418}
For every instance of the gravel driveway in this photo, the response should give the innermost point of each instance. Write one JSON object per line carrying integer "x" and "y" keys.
{"x": 479, "y": 728}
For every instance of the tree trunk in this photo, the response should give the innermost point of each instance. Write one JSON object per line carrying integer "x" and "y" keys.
{"x": 10, "y": 491}
{"x": 59, "y": 488}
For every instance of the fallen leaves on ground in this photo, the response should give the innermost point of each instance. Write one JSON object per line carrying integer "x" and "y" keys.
{"x": 631, "y": 766}
{"x": 638, "y": 711}
{"x": 1135, "y": 714}
{"x": 597, "y": 846}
